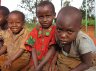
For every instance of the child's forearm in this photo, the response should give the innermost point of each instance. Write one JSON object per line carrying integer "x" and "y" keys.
{"x": 86, "y": 62}
{"x": 34, "y": 56}
{"x": 18, "y": 54}
{"x": 81, "y": 67}
{"x": 47, "y": 57}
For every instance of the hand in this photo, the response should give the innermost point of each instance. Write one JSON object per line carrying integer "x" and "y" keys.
{"x": 7, "y": 64}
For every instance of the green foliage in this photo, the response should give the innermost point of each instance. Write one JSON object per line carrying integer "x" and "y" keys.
{"x": 30, "y": 5}
{"x": 90, "y": 7}
{"x": 66, "y": 3}
{"x": 89, "y": 22}
{"x": 30, "y": 26}
{"x": 83, "y": 13}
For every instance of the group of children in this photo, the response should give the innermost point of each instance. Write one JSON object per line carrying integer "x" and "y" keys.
{"x": 48, "y": 47}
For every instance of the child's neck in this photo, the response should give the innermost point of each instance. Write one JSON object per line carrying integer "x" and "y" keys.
{"x": 44, "y": 31}
{"x": 66, "y": 48}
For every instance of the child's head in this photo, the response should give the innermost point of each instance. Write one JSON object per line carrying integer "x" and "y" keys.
{"x": 16, "y": 20}
{"x": 45, "y": 13}
{"x": 68, "y": 24}
{"x": 4, "y": 11}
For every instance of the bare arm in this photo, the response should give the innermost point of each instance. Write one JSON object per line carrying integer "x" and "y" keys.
{"x": 47, "y": 57}
{"x": 3, "y": 50}
{"x": 18, "y": 54}
{"x": 34, "y": 56}
{"x": 7, "y": 63}
{"x": 86, "y": 62}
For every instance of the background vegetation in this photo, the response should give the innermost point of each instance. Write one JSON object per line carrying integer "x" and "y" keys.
{"x": 30, "y": 6}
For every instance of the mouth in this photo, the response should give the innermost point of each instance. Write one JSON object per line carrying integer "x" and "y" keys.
{"x": 63, "y": 42}
{"x": 44, "y": 24}
{"x": 14, "y": 28}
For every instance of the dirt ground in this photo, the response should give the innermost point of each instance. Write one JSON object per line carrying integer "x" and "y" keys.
{"x": 90, "y": 32}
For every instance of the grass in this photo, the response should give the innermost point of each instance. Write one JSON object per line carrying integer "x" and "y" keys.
{"x": 90, "y": 22}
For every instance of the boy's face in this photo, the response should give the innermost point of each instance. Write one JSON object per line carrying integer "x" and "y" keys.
{"x": 45, "y": 16}
{"x": 15, "y": 23}
{"x": 2, "y": 17}
{"x": 67, "y": 28}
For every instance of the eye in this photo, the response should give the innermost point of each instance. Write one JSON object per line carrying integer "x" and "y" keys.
{"x": 10, "y": 22}
{"x": 59, "y": 29}
{"x": 70, "y": 31}
{"x": 40, "y": 17}
{"x": 18, "y": 22}
{"x": 47, "y": 16}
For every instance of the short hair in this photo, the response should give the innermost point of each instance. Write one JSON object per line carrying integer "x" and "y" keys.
{"x": 70, "y": 10}
{"x": 5, "y": 10}
{"x": 45, "y": 3}
{"x": 18, "y": 12}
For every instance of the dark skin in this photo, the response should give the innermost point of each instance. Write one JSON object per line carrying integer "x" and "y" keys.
{"x": 15, "y": 24}
{"x": 2, "y": 22}
{"x": 3, "y": 18}
{"x": 68, "y": 25}
{"x": 34, "y": 55}
{"x": 45, "y": 16}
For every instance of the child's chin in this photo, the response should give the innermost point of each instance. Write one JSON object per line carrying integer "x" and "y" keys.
{"x": 15, "y": 32}
{"x": 65, "y": 43}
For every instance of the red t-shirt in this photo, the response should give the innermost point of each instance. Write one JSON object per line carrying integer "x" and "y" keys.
{"x": 41, "y": 42}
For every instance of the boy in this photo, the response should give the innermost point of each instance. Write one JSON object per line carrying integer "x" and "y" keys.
{"x": 41, "y": 39}
{"x": 75, "y": 47}
{"x": 4, "y": 11}
{"x": 16, "y": 57}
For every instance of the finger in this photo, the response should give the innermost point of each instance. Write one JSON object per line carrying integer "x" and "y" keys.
{"x": 5, "y": 66}
{"x": 9, "y": 65}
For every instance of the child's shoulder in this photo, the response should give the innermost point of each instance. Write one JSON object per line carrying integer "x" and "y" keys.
{"x": 33, "y": 32}
{"x": 54, "y": 26}
{"x": 83, "y": 39}
{"x": 82, "y": 35}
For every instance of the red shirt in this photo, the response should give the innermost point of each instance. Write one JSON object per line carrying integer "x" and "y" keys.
{"x": 41, "y": 42}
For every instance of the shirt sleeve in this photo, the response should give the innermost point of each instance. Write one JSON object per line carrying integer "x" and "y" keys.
{"x": 30, "y": 41}
{"x": 85, "y": 45}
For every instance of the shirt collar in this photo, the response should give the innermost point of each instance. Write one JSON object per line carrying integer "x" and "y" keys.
{"x": 46, "y": 33}
{"x": 17, "y": 35}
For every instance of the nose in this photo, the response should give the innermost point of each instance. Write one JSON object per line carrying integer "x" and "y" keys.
{"x": 14, "y": 24}
{"x": 45, "y": 19}
{"x": 63, "y": 35}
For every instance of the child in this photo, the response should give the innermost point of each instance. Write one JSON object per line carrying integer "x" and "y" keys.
{"x": 42, "y": 38}
{"x": 76, "y": 46}
{"x": 4, "y": 11}
{"x": 17, "y": 57}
